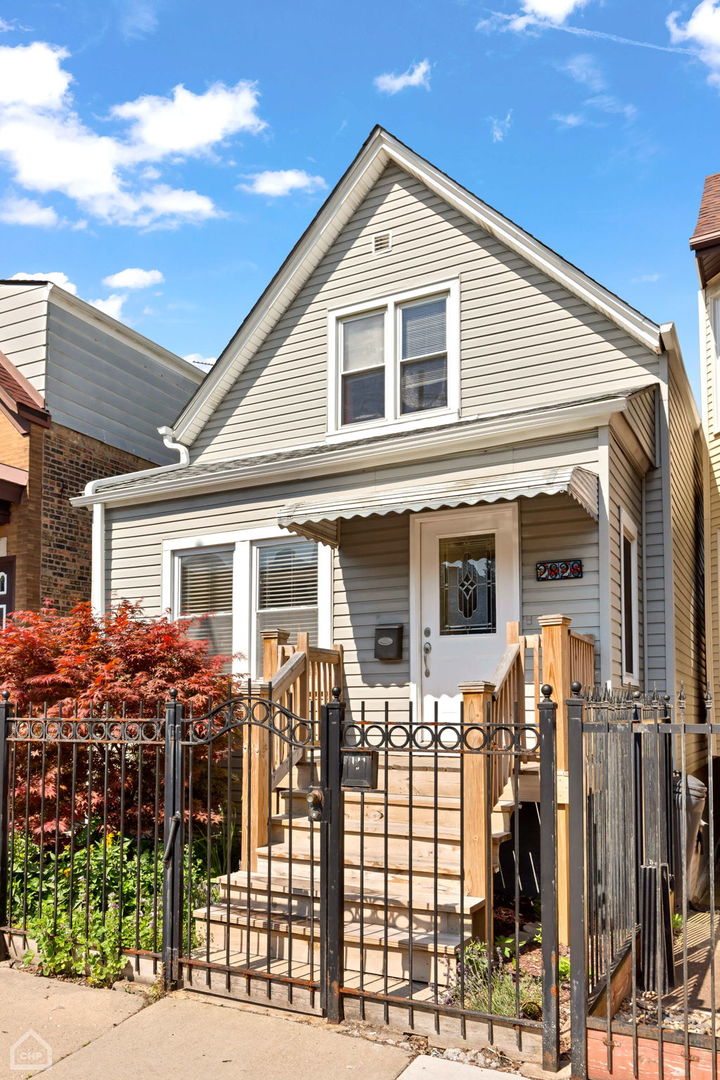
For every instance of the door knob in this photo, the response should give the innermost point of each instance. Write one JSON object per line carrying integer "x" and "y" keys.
{"x": 427, "y": 649}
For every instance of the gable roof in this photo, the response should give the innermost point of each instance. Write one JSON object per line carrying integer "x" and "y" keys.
{"x": 19, "y": 399}
{"x": 379, "y": 150}
{"x": 705, "y": 241}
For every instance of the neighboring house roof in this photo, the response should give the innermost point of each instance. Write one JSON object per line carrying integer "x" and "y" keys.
{"x": 380, "y": 150}
{"x": 19, "y": 399}
{"x": 705, "y": 241}
{"x": 319, "y": 459}
{"x": 117, "y": 328}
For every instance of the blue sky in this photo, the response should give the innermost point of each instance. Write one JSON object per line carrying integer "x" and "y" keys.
{"x": 194, "y": 142}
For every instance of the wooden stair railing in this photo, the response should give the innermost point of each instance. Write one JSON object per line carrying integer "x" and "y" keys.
{"x": 300, "y": 678}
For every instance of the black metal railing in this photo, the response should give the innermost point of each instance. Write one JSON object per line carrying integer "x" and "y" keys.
{"x": 400, "y": 869}
{"x": 643, "y": 915}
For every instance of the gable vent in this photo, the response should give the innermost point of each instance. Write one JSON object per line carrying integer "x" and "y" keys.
{"x": 381, "y": 242}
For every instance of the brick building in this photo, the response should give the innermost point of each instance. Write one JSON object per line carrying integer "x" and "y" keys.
{"x": 81, "y": 397}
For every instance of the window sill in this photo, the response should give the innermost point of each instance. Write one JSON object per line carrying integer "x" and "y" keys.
{"x": 413, "y": 422}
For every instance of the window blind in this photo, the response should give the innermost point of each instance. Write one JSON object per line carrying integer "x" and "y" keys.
{"x": 206, "y": 584}
{"x": 287, "y": 575}
{"x": 424, "y": 329}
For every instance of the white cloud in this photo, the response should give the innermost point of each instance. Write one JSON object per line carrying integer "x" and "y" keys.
{"x": 138, "y": 17}
{"x": 500, "y": 128}
{"x": 417, "y": 75}
{"x": 56, "y": 276}
{"x": 646, "y": 279}
{"x": 32, "y": 76}
{"x": 702, "y": 30}
{"x": 554, "y": 12}
{"x": 583, "y": 69}
{"x": 113, "y": 177}
{"x": 570, "y": 120}
{"x": 199, "y": 360}
{"x": 609, "y": 104}
{"x": 16, "y": 210}
{"x": 112, "y": 305}
{"x": 188, "y": 123}
{"x": 282, "y": 182}
{"x": 133, "y": 278}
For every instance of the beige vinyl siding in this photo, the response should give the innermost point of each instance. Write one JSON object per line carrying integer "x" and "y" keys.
{"x": 686, "y": 502}
{"x": 525, "y": 340}
{"x": 625, "y": 495}
{"x": 555, "y": 527}
{"x": 371, "y": 569}
{"x": 23, "y": 330}
{"x": 110, "y": 389}
{"x": 641, "y": 417}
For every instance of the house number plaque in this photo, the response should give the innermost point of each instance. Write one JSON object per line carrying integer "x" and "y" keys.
{"x": 559, "y": 570}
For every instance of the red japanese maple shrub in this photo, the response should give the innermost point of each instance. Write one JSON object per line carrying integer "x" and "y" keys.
{"x": 119, "y": 661}
{"x": 83, "y": 665}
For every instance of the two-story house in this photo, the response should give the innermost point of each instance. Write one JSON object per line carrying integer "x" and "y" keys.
{"x": 81, "y": 397}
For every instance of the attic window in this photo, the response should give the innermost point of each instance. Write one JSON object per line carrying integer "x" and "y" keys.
{"x": 381, "y": 242}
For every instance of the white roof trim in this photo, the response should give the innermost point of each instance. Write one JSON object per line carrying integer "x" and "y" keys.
{"x": 380, "y": 150}
{"x": 317, "y": 518}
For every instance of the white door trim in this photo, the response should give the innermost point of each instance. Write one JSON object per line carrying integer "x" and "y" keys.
{"x": 491, "y": 511}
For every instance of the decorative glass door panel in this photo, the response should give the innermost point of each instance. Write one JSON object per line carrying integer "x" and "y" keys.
{"x": 467, "y": 585}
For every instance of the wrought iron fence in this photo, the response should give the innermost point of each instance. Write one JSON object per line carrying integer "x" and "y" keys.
{"x": 643, "y": 915}
{"x": 372, "y": 868}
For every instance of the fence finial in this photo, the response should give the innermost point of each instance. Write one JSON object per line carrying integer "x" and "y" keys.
{"x": 546, "y": 691}
{"x": 336, "y": 693}
{"x": 173, "y": 694}
{"x": 575, "y": 688}
{"x": 6, "y": 695}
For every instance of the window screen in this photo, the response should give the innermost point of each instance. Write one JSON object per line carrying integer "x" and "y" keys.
{"x": 363, "y": 368}
{"x": 423, "y": 360}
{"x": 205, "y": 588}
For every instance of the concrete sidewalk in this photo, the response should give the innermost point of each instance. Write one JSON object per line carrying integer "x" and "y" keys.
{"x": 86, "y": 1034}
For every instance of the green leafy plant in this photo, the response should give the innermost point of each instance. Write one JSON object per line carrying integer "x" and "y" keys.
{"x": 88, "y": 902}
{"x": 564, "y": 968}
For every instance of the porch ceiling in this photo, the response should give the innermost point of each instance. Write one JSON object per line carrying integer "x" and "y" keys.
{"x": 318, "y": 518}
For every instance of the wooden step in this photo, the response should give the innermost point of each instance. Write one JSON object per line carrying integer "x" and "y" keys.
{"x": 440, "y": 908}
{"x": 374, "y": 948}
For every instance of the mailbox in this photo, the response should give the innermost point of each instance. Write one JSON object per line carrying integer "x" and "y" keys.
{"x": 359, "y": 770}
{"x": 389, "y": 642}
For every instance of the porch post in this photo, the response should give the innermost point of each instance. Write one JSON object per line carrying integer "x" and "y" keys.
{"x": 556, "y": 672}
{"x": 476, "y": 812}
{"x": 272, "y": 640}
{"x": 255, "y": 787}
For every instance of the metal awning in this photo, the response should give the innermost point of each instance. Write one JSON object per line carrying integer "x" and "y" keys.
{"x": 318, "y": 517}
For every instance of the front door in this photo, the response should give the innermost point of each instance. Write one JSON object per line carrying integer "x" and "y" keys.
{"x": 469, "y": 589}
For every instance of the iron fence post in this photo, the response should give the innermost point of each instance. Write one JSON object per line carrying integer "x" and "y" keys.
{"x": 548, "y": 881}
{"x": 332, "y": 859}
{"x": 173, "y": 837}
{"x": 578, "y": 962}
{"x": 5, "y": 714}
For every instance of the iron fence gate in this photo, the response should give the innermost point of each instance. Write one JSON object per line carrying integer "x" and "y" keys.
{"x": 375, "y": 865}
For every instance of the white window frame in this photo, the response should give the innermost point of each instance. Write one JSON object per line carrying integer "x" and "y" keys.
{"x": 629, "y": 530}
{"x": 244, "y": 586}
{"x": 712, "y": 303}
{"x": 394, "y": 420}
